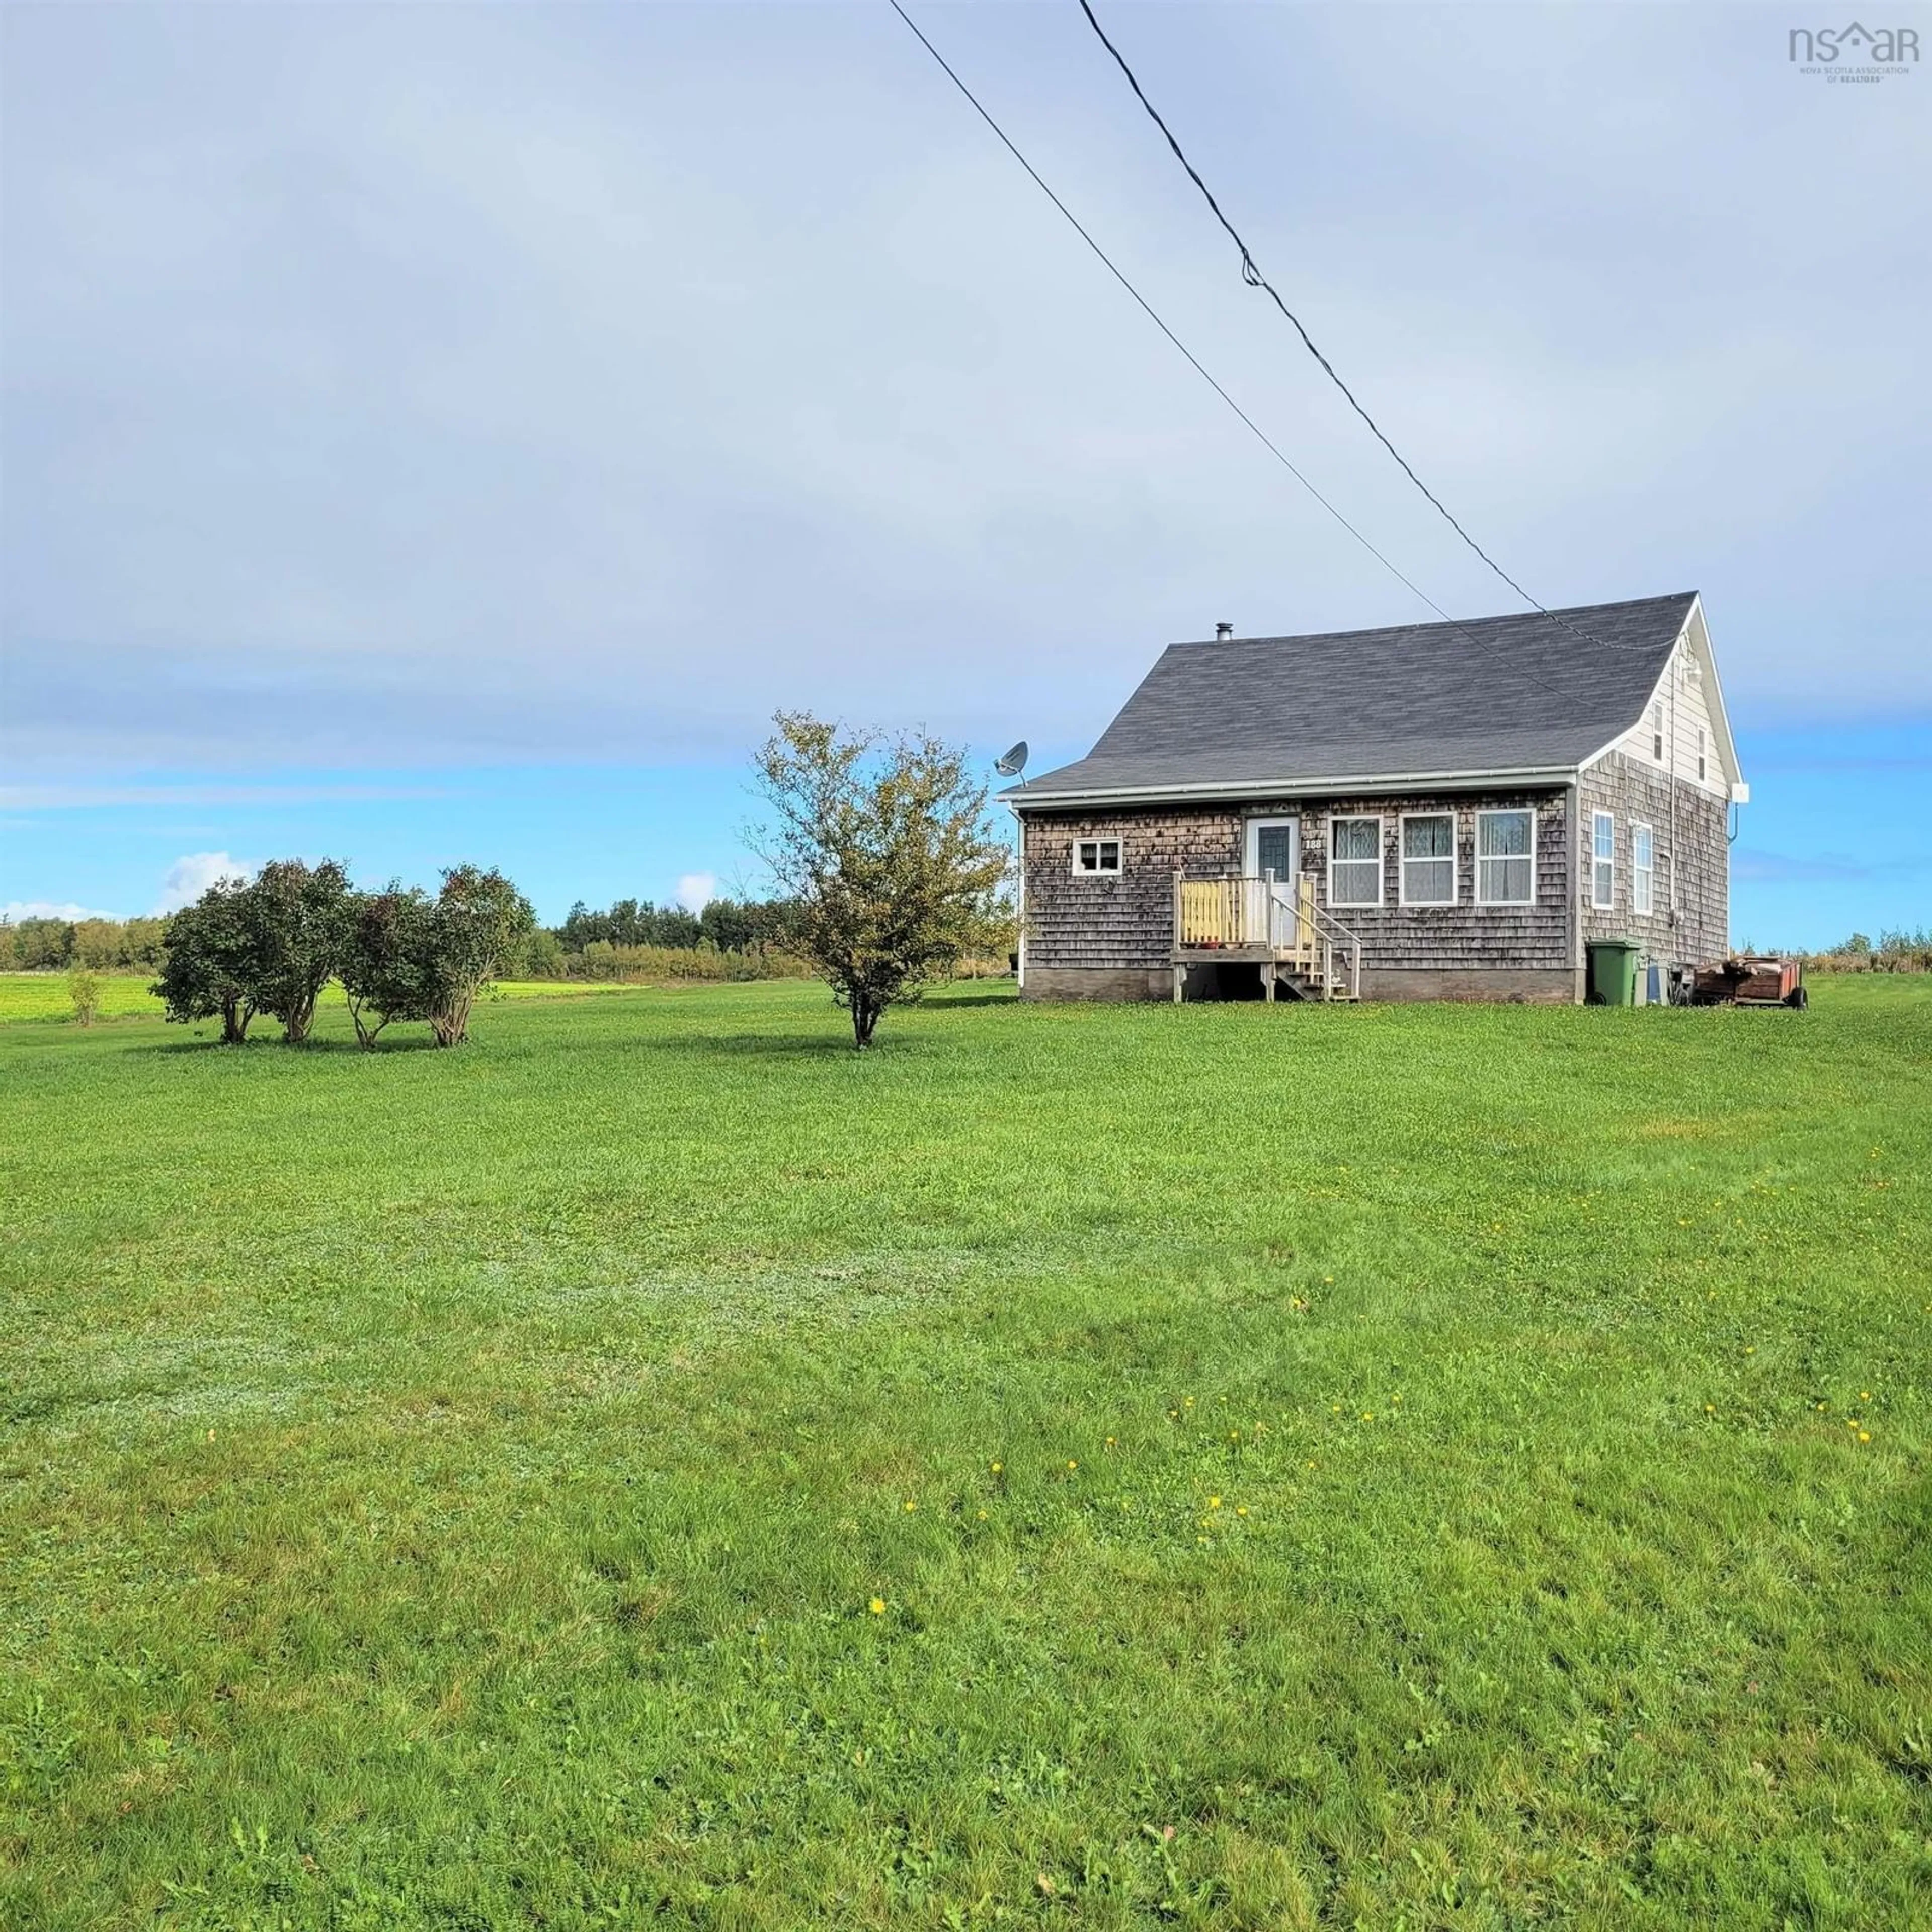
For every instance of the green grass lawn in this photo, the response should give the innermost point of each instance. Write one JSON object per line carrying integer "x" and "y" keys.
{"x": 1105, "y": 1467}
{"x": 44, "y": 996}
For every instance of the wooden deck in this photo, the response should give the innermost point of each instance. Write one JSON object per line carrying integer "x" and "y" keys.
{"x": 1275, "y": 924}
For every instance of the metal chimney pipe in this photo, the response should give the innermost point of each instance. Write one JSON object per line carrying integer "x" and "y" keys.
{"x": 1222, "y": 632}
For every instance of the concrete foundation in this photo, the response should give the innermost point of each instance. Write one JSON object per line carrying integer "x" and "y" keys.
{"x": 1516, "y": 985}
{"x": 1097, "y": 982}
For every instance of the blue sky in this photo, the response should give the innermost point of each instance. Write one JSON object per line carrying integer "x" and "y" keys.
{"x": 448, "y": 433}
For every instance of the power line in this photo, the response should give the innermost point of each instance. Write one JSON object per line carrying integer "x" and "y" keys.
{"x": 1252, "y": 275}
{"x": 1114, "y": 270}
{"x": 1267, "y": 442}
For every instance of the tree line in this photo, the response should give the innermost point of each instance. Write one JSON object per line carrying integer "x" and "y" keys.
{"x": 748, "y": 932}
{"x": 269, "y": 945}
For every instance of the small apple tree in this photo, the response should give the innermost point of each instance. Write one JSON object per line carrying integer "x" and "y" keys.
{"x": 881, "y": 847}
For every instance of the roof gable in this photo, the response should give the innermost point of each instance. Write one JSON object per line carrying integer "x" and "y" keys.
{"x": 1493, "y": 695}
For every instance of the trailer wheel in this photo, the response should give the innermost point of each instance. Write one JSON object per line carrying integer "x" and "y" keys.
{"x": 1797, "y": 999}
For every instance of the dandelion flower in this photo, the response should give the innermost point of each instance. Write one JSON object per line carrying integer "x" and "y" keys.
{"x": 997, "y": 1467}
{"x": 911, "y": 1506}
{"x": 983, "y": 1515}
{"x": 877, "y": 1607}
{"x": 1864, "y": 1395}
{"x": 1071, "y": 1463}
{"x": 1241, "y": 1509}
{"x": 1214, "y": 1502}
{"x": 1110, "y": 1442}
{"x": 1368, "y": 1415}
{"x": 1864, "y": 1435}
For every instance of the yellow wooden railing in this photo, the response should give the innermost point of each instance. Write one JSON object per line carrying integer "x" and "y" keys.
{"x": 1213, "y": 915}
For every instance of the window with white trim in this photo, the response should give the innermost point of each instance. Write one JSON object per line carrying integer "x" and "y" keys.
{"x": 1355, "y": 862}
{"x": 1428, "y": 859}
{"x": 1096, "y": 858}
{"x": 1643, "y": 869}
{"x": 1701, "y": 768}
{"x": 1603, "y": 860}
{"x": 1506, "y": 858}
{"x": 1656, "y": 731}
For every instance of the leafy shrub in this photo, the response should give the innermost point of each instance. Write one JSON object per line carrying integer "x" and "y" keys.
{"x": 83, "y": 987}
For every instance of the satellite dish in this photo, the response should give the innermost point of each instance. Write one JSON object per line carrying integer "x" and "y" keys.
{"x": 1014, "y": 762}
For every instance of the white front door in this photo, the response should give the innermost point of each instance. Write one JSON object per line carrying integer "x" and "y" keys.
{"x": 1274, "y": 848}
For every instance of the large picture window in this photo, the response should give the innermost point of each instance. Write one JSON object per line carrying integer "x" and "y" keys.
{"x": 1642, "y": 869}
{"x": 1603, "y": 861}
{"x": 1355, "y": 862}
{"x": 1506, "y": 858}
{"x": 1428, "y": 858}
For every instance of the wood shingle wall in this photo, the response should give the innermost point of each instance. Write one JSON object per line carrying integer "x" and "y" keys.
{"x": 1687, "y": 830}
{"x": 1112, "y": 938}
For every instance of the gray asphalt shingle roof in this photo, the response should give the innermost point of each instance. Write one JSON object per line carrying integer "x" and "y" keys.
{"x": 1492, "y": 694}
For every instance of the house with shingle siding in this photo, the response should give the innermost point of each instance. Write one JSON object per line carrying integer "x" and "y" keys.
{"x": 1449, "y": 811}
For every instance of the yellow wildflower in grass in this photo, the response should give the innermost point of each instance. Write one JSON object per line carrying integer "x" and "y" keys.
{"x": 877, "y": 1607}
{"x": 1071, "y": 1463}
{"x": 1368, "y": 1415}
{"x": 1710, "y": 1408}
{"x": 997, "y": 1467}
{"x": 1241, "y": 1509}
{"x": 1864, "y": 1435}
{"x": 1187, "y": 1402}
{"x": 983, "y": 1515}
{"x": 911, "y": 1506}
{"x": 1110, "y": 1442}
{"x": 1864, "y": 1395}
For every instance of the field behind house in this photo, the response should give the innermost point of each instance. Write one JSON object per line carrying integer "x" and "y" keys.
{"x": 1086, "y": 1467}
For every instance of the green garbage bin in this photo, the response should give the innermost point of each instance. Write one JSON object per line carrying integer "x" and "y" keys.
{"x": 1613, "y": 972}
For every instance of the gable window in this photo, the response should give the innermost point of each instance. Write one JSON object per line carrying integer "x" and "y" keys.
{"x": 1428, "y": 859}
{"x": 1096, "y": 858}
{"x": 1603, "y": 860}
{"x": 1642, "y": 869}
{"x": 1656, "y": 731}
{"x": 1505, "y": 858}
{"x": 1701, "y": 772}
{"x": 1355, "y": 862}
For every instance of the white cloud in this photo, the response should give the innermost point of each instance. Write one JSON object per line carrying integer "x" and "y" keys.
{"x": 14, "y": 911}
{"x": 696, "y": 890}
{"x": 191, "y": 875}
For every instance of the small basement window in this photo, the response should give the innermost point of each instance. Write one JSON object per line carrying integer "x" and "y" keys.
{"x": 1096, "y": 858}
{"x": 1428, "y": 858}
{"x": 1355, "y": 862}
{"x": 1643, "y": 869}
{"x": 1506, "y": 858}
{"x": 1603, "y": 860}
